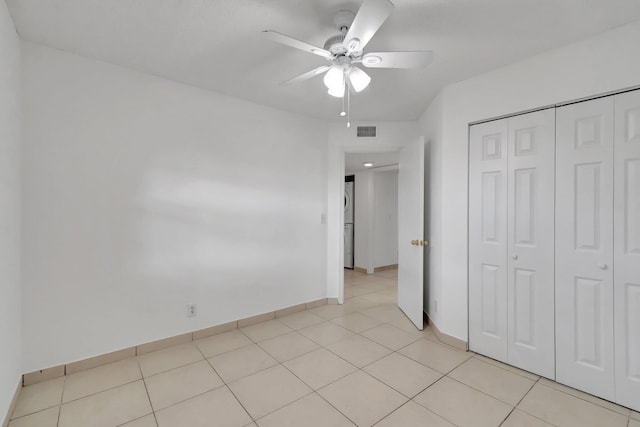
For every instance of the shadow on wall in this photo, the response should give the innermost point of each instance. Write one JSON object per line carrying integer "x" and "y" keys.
{"x": 196, "y": 225}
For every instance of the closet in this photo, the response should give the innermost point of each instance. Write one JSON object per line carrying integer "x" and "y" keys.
{"x": 584, "y": 245}
{"x": 554, "y": 244}
{"x": 511, "y": 192}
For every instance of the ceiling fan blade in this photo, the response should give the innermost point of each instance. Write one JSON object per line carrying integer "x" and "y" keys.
{"x": 368, "y": 20}
{"x": 419, "y": 59}
{"x": 306, "y": 76}
{"x": 298, "y": 44}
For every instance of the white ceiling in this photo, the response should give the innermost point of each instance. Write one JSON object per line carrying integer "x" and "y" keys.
{"x": 353, "y": 162}
{"x": 217, "y": 45}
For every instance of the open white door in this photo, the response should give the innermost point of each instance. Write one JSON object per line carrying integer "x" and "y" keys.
{"x": 411, "y": 231}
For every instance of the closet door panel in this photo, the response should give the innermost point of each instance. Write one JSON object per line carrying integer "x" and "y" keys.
{"x": 627, "y": 248}
{"x": 530, "y": 234}
{"x": 584, "y": 247}
{"x": 487, "y": 239}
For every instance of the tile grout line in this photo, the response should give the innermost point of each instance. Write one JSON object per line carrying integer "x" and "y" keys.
{"x": 225, "y": 384}
{"x": 37, "y": 412}
{"x": 504, "y": 366}
{"x": 357, "y": 369}
{"x": 338, "y": 379}
{"x": 144, "y": 382}
{"x": 265, "y": 339}
{"x": 392, "y": 412}
{"x": 480, "y": 391}
{"x": 585, "y": 400}
{"x": 295, "y": 357}
{"x": 397, "y": 351}
{"x": 142, "y": 378}
{"x": 519, "y": 401}
{"x": 431, "y": 385}
{"x": 285, "y": 405}
{"x": 416, "y": 403}
{"x": 102, "y": 391}
{"x": 64, "y": 383}
{"x": 315, "y": 391}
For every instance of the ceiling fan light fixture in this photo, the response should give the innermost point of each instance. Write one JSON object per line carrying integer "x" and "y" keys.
{"x": 359, "y": 79}
{"x": 337, "y": 91}
{"x": 334, "y": 77}
{"x": 346, "y": 49}
{"x": 334, "y": 81}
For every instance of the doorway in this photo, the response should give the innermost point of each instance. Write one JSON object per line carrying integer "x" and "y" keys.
{"x": 371, "y": 284}
{"x": 371, "y": 185}
{"x": 397, "y": 138}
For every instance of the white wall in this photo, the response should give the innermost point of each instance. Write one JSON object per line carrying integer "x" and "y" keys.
{"x": 143, "y": 195}
{"x": 376, "y": 219}
{"x": 385, "y": 218}
{"x": 10, "y": 199}
{"x": 600, "y": 64}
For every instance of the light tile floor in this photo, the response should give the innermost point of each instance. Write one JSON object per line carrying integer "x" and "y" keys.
{"x": 362, "y": 363}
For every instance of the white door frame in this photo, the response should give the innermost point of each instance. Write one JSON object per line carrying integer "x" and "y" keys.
{"x": 335, "y": 191}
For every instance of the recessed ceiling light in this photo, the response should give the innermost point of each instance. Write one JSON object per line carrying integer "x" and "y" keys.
{"x": 367, "y": 164}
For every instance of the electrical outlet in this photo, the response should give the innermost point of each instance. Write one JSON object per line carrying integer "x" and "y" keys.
{"x": 192, "y": 310}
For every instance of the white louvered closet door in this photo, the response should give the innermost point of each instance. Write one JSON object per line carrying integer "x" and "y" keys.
{"x": 627, "y": 248}
{"x": 584, "y": 247}
{"x": 488, "y": 239}
{"x": 530, "y": 235}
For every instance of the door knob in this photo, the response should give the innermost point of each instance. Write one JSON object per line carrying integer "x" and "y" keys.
{"x": 603, "y": 266}
{"x": 414, "y": 242}
{"x": 515, "y": 257}
{"x": 423, "y": 242}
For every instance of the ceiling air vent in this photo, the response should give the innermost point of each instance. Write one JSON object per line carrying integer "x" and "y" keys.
{"x": 366, "y": 131}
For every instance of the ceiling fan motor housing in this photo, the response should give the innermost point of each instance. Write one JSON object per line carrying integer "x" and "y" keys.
{"x": 334, "y": 44}
{"x": 344, "y": 19}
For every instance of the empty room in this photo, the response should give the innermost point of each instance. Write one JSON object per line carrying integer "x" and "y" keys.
{"x": 392, "y": 213}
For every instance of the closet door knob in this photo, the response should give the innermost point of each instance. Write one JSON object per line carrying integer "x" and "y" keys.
{"x": 515, "y": 257}
{"x": 603, "y": 266}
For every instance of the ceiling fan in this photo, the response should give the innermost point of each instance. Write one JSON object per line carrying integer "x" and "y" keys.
{"x": 345, "y": 51}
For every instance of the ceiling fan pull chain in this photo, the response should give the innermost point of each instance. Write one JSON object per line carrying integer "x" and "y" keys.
{"x": 348, "y": 104}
